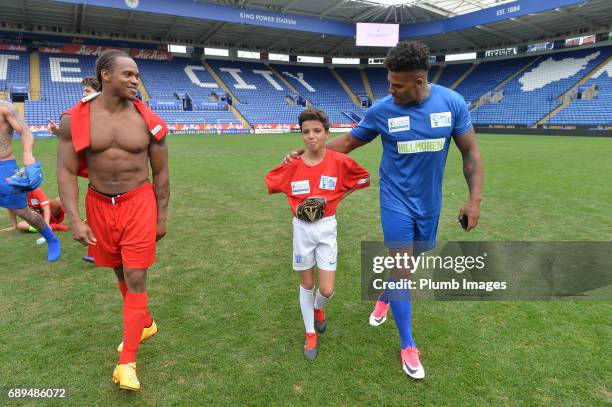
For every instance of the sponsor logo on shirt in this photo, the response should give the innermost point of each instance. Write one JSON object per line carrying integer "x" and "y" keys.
{"x": 156, "y": 129}
{"x": 420, "y": 146}
{"x": 398, "y": 124}
{"x": 328, "y": 183}
{"x": 34, "y": 201}
{"x": 440, "y": 119}
{"x": 300, "y": 187}
{"x": 363, "y": 181}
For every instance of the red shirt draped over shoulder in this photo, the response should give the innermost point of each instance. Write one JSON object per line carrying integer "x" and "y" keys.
{"x": 81, "y": 132}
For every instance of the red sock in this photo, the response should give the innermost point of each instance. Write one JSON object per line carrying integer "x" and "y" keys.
{"x": 148, "y": 319}
{"x": 134, "y": 311}
{"x": 59, "y": 226}
{"x": 123, "y": 289}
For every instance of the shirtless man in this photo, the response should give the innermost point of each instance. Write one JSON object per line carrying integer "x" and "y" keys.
{"x": 117, "y": 137}
{"x": 10, "y": 198}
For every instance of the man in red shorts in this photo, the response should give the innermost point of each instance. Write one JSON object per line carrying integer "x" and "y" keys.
{"x": 115, "y": 138}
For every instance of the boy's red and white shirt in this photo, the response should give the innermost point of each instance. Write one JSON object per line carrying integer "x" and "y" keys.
{"x": 336, "y": 174}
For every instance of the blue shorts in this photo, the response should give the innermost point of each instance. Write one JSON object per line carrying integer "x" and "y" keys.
{"x": 10, "y": 198}
{"x": 402, "y": 230}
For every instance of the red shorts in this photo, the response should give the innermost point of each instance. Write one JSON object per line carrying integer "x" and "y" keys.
{"x": 124, "y": 226}
{"x": 59, "y": 218}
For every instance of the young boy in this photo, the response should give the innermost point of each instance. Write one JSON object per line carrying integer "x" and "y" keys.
{"x": 315, "y": 185}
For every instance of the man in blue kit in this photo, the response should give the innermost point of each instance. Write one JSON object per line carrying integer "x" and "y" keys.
{"x": 415, "y": 122}
{"x": 13, "y": 198}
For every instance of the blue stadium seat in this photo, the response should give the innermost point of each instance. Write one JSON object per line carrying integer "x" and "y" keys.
{"x": 262, "y": 97}
{"x": 590, "y": 112}
{"x": 17, "y": 68}
{"x": 352, "y": 77}
{"x": 451, "y": 73}
{"x": 319, "y": 86}
{"x": 487, "y": 75}
{"x": 60, "y": 85}
{"x": 535, "y": 92}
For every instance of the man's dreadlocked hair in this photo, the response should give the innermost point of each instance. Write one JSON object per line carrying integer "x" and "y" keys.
{"x": 408, "y": 56}
{"x": 105, "y": 61}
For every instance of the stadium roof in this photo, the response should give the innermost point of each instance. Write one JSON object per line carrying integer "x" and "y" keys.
{"x": 587, "y": 17}
{"x": 446, "y": 8}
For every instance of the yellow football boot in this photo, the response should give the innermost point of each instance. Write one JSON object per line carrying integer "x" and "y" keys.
{"x": 125, "y": 377}
{"x": 146, "y": 334}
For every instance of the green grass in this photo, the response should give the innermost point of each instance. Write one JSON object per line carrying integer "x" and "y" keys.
{"x": 225, "y": 297}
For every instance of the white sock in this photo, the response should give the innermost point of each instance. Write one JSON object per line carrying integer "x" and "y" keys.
{"x": 307, "y": 307}
{"x": 320, "y": 300}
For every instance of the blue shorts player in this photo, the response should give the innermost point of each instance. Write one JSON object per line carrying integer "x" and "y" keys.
{"x": 11, "y": 198}
{"x": 416, "y": 123}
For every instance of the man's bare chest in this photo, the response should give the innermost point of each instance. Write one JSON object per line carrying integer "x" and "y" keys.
{"x": 126, "y": 132}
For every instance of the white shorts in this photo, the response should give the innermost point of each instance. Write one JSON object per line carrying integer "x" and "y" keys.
{"x": 315, "y": 243}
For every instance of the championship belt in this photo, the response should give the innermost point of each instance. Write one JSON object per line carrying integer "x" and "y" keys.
{"x": 312, "y": 209}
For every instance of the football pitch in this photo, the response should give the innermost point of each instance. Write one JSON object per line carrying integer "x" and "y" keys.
{"x": 226, "y": 301}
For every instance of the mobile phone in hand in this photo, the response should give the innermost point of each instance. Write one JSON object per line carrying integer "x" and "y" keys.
{"x": 463, "y": 220}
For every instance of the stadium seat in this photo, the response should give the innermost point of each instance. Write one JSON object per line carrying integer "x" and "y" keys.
{"x": 535, "y": 92}
{"x": 262, "y": 96}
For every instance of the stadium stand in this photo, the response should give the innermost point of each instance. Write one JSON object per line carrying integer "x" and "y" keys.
{"x": 590, "y": 111}
{"x": 262, "y": 96}
{"x": 14, "y": 70}
{"x": 528, "y": 98}
{"x": 451, "y": 73}
{"x": 487, "y": 75}
{"x": 352, "y": 77}
{"x": 60, "y": 85}
{"x": 531, "y": 95}
{"x": 378, "y": 81}
{"x": 320, "y": 87}
{"x": 165, "y": 78}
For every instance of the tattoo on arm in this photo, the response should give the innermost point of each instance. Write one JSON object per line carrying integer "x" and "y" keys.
{"x": 18, "y": 118}
{"x": 20, "y": 126}
{"x": 5, "y": 145}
